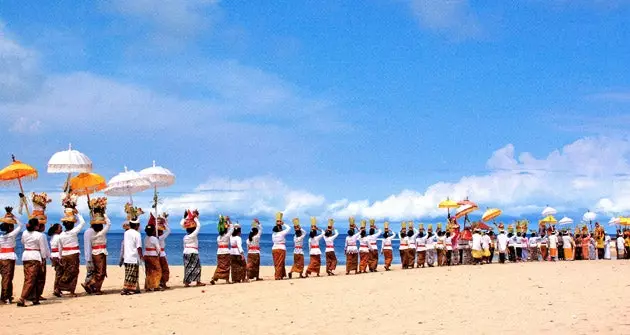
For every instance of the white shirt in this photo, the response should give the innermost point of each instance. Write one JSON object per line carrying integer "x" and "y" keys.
{"x": 279, "y": 238}
{"x": 566, "y": 240}
{"x": 236, "y": 245}
{"x": 404, "y": 241}
{"x": 553, "y": 242}
{"x": 517, "y": 241}
{"x": 191, "y": 242}
{"x": 430, "y": 242}
{"x": 485, "y": 242}
{"x": 313, "y": 245}
{"x": 364, "y": 244}
{"x": 34, "y": 246}
{"x": 162, "y": 239}
{"x": 69, "y": 240}
{"x": 223, "y": 242}
{"x": 620, "y": 243}
{"x": 253, "y": 246}
{"x": 298, "y": 242}
{"x": 46, "y": 248}
{"x": 448, "y": 241}
{"x": 131, "y": 242}
{"x": 99, "y": 240}
{"x": 87, "y": 244}
{"x": 421, "y": 243}
{"x": 476, "y": 242}
{"x": 351, "y": 243}
{"x": 387, "y": 241}
{"x": 7, "y": 243}
{"x": 54, "y": 246}
{"x": 330, "y": 241}
{"x": 533, "y": 241}
{"x": 502, "y": 242}
{"x": 151, "y": 246}
{"x": 412, "y": 240}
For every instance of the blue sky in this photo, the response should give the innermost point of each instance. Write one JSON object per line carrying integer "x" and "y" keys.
{"x": 329, "y": 108}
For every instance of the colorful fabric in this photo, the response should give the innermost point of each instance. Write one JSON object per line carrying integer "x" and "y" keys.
{"x": 403, "y": 258}
{"x": 7, "y": 271}
{"x": 100, "y": 272}
{"x": 70, "y": 273}
{"x": 31, "y": 272}
{"x": 421, "y": 257}
{"x": 411, "y": 257}
{"x": 568, "y": 254}
{"x": 279, "y": 257}
{"x": 41, "y": 279}
{"x": 544, "y": 252}
{"x": 238, "y": 268}
{"x": 373, "y": 260}
{"x": 192, "y": 268}
{"x": 352, "y": 262}
{"x": 553, "y": 253}
{"x": 389, "y": 257}
{"x": 223, "y": 267}
{"x": 477, "y": 254}
{"x": 166, "y": 271}
{"x": 431, "y": 257}
{"x": 153, "y": 272}
{"x": 363, "y": 263}
{"x": 298, "y": 263}
{"x": 131, "y": 277}
{"x": 441, "y": 257}
{"x": 331, "y": 261}
{"x": 253, "y": 265}
{"x": 58, "y": 273}
{"x": 89, "y": 268}
{"x": 314, "y": 264}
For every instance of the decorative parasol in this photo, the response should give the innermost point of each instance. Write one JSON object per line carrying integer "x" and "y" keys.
{"x": 86, "y": 184}
{"x": 589, "y": 217}
{"x": 614, "y": 221}
{"x": 565, "y": 221}
{"x": 491, "y": 214}
{"x": 448, "y": 204}
{"x": 18, "y": 171}
{"x": 549, "y": 219}
{"x": 624, "y": 221}
{"x": 126, "y": 184}
{"x": 158, "y": 177}
{"x": 465, "y": 210}
{"x": 549, "y": 211}
{"x": 69, "y": 161}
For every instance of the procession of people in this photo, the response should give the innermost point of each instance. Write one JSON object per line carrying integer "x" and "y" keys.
{"x": 237, "y": 263}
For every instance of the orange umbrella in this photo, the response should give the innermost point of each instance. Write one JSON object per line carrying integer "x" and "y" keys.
{"x": 86, "y": 184}
{"x": 18, "y": 171}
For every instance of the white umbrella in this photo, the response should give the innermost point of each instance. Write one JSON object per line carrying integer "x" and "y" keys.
{"x": 69, "y": 161}
{"x": 614, "y": 221}
{"x": 549, "y": 211}
{"x": 127, "y": 183}
{"x": 589, "y": 216}
{"x": 565, "y": 220}
{"x": 158, "y": 177}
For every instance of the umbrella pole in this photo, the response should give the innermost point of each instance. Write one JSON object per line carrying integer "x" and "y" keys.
{"x": 155, "y": 199}
{"x": 28, "y": 212}
{"x": 67, "y": 186}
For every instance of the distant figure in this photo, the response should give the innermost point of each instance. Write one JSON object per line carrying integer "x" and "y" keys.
{"x": 298, "y": 251}
{"x": 253, "y": 251}
{"x": 502, "y": 243}
{"x": 352, "y": 252}
{"x": 314, "y": 251}
{"x": 331, "y": 258}
{"x": 386, "y": 247}
{"x": 553, "y": 247}
{"x": 620, "y": 246}
{"x": 9, "y": 230}
{"x": 222, "y": 271}
{"x": 279, "y": 249}
{"x": 238, "y": 266}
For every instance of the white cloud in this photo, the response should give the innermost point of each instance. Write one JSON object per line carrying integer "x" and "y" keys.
{"x": 24, "y": 125}
{"x": 19, "y": 68}
{"x": 453, "y": 17}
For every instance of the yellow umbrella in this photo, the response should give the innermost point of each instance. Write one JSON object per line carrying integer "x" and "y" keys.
{"x": 18, "y": 171}
{"x": 87, "y": 183}
{"x": 448, "y": 204}
{"x": 624, "y": 221}
{"x": 549, "y": 219}
{"x": 491, "y": 214}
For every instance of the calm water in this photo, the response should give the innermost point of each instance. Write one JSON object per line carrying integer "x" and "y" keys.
{"x": 208, "y": 248}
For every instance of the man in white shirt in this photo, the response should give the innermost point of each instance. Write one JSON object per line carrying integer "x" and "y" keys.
{"x": 620, "y": 246}
{"x": 477, "y": 250}
{"x": 132, "y": 255}
{"x": 553, "y": 246}
{"x": 87, "y": 254}
{"x": 502, "y": 243}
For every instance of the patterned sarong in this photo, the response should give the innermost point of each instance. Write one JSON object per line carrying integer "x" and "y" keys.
{"x": 279, "y": 257}
{"x": 89, "y": 269}
{"x": 431, "y": 257}
{"x": 298, "y": 263}
{"x": 253, "y": 266}
{"x": 331, "y": 261}
{"x": 223, "y": 267}
{"x": 7, "y": 270}
{"x": 192, "y": 268}
{"x": 422, "y": 257}
{"x": 403, "y": 258}
{"x": 389, "y": 257}
{"x": 70, "y": 273}
{"x": 314, "y": 264}
{"x": 131, "y": 277}
{"x": 31, "y": 272}
{"x": 411, "y": 258}
{"x": 441, "y": 257}
{"x": 237, "y": 266}
{"x": 166, "y": 272}
{"x": 352, "y": 261}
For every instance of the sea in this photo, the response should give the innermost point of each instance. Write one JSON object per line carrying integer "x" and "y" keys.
{"x": 208, "y": 248}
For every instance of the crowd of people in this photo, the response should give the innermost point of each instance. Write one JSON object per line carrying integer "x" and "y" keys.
{"x": 418, "y": 247}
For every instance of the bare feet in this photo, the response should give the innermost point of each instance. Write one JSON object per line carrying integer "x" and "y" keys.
{"x": 200, "y": 284}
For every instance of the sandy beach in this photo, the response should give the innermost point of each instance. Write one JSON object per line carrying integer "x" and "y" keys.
{"x": 564, "y": 297}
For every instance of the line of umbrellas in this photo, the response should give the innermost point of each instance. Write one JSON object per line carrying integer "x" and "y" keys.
{"x": 86, "y": 182}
